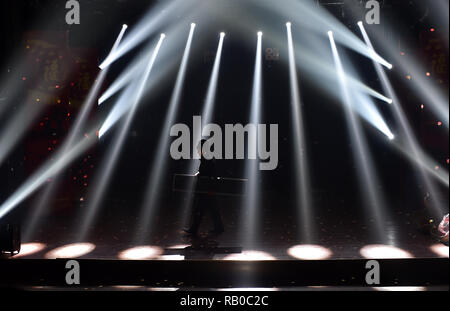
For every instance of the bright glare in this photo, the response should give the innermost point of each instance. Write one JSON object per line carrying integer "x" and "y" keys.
{"x": 384, "y": 252}
{"x": 163, "y": 289}
{"x": 288, "y": 24}
{"x": 248, "y": 289}
{"x": 309, "y": 252}
{"x": 125, "y": 26}
{"x": 171, "y": 257}
{"x": 222, "y": 34}
{"x": 260, "y": 33}
{"x": 141, "y": 253}
{"x": 400, "y": 289}
{"x": 440, "y": 249}
{"x": 250, "y": 256}
{"x": 28, "y": 249}
{"x": 71, "y": 251}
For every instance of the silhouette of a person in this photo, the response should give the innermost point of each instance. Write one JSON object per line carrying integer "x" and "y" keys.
{"x": 205, "y": 201}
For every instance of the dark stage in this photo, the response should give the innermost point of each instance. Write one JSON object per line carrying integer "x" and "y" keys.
{"x": 340, "y": 236}
{"x": 203, "y": 145}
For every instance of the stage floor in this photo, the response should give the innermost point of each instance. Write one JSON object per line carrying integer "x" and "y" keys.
{"x": 339, "y": 235}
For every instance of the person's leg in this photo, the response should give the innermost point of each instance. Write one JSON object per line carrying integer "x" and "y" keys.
{"x": 216, "y": 216}
{"x": 196, "y": 216}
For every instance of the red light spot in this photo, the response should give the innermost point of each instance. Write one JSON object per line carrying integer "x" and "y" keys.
{"x": 402, "y": 53}
{"x": 85, "y": 176}
{"x": 439, "y": 123}
{"x": 41, "y": 124}
{"x": 24, "y": 78}
{"x": 68, "y": 114}
{"x": 428, "y": 74}
{"x": 57, "y": 86}
{"x": 74, "y": 178}
{"x": 49, "y": 148}
{"x": 422, "y": 106}
{"x": 432, "y": 29}
{"x": 448, "y": 161}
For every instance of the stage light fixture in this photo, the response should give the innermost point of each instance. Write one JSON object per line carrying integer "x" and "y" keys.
{"x": 9, "y": 239}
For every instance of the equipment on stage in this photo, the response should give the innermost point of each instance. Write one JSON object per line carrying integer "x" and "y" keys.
{"x": 219, "y": 186}
{"x": 10, "y": 239}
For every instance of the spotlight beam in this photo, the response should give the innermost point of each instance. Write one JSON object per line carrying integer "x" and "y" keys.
{"x": 421, "y": 85}
{"x": 368, "y": 177}
{"x": 413, "y": 144}
{"x": 10, "y": 86}
{"x": 177, "y": 34}
{"x": 159, "y": 165}
{"x": 125, "y": 78}
{"x": 18, "y": 125}
{"x": 75, "y": 132}
{"x": 62, "y": 160}
{"x": 314, "y": 66}
{"x": 302, "y": 167}
{"x": 108, "y": 167}
{"x": 208, "y": 109}
{"x": 149, "y": 25}
{"x": 251, "y": 218}
{"x": 207, "y": 113}
{"x": 317, "y": 19}
{"x": 48, "y": 170}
